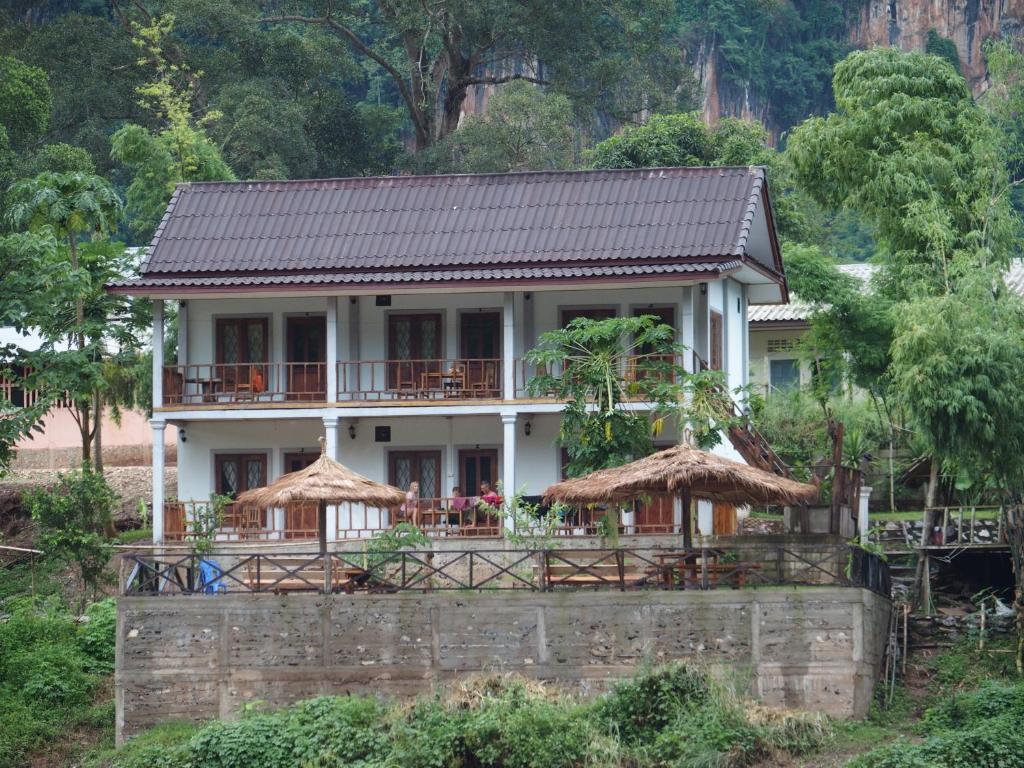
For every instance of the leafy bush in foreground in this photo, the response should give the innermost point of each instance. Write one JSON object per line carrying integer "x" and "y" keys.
{"x": 981, "y": 729}
{"x": 675, "y": 716}
{"x": 50, "y": 670}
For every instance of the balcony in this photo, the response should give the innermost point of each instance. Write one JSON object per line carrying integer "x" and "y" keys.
{"x": 426, "y": 381}
{"x": 436, "y": 518}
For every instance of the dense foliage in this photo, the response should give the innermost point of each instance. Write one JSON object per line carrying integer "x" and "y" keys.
{"x": 980, "y": 729}
{"x": 51, "y": 669}
{"x": 668, "y": 717}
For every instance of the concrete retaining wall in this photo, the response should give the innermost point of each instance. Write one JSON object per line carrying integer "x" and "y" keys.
{"x": 201, "y": 657}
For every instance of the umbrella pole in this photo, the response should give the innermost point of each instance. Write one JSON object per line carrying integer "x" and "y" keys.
{"x": 321, "y": 523}
{"x": 687, "y": 521}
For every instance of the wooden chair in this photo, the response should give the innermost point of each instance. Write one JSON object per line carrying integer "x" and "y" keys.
{"x": 405, "y": 379}
{"x": 485, "y": 385}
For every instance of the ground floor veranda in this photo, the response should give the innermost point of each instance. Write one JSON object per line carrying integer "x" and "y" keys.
{"x": 449, "y": 457}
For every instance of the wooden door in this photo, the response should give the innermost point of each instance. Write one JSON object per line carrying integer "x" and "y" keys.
{"x": 414, "y": 343}
{"x": 656, "y": 513}
{"x": 300, "y": 516}
{"x": 480, "y": 350}
{"x": 477, "y": 466}
{"x": 723, "y": 519}
{"x": 717, "y": 341}
{"x": 306, "y": 357}
{"x": 235, "y": 473}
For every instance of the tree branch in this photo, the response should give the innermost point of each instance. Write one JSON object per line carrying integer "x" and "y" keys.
{"x": 359, "y": 45}
{"x": 498, "y": 80}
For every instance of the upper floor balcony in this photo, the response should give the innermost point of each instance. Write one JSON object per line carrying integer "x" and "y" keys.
{"x": 418, "y": 350}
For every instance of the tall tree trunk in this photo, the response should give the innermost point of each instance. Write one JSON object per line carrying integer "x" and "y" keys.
{"x": 97, "y": 432}
{"x": 86, "y": 433}
{"x": 926, "y": 526}
{"x": 83, "y": 411}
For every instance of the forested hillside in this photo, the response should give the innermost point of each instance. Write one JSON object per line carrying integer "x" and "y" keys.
{"x": 312, "y": 88}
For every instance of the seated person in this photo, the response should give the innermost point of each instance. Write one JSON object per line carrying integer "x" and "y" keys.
{"x": 457, "y": 507}
{"x": 488, "y": 496}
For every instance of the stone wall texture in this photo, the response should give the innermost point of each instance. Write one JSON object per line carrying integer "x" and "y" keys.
{"x": 202, "y": 657}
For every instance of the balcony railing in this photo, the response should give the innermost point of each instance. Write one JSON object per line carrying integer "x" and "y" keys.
{"x": 436, "y": 518}
{"x": 425, "y": 380}
{"x": 428, "y": 379}
{"x": 221, "y": 383}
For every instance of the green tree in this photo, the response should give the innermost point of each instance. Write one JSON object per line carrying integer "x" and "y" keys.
{"x": 1004, "y": 101}
{"x": 598, "y": 366}
{"x": 523, "y": 129}
{"x": 613, "y": 55}
{"x": 923, "y": 165}
{"x": 71, "y": 206}
{"x": 943, "y": 47}
{"x": 178, "y": 152}
{"x": 25, "y": 101}
{"x": 72, "y": 517}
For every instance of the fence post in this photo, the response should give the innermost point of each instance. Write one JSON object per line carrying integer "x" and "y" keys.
{"x": 544, "y": 571}
{"x": 703, "y": 567}
{"x": 620, "y": 566}
{"x": 779, "y": 557}
{"x": 259, "y": 577}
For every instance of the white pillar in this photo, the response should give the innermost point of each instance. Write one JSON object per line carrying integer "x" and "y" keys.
{"x": 158, "y": 354}
{"x": 331, "y": 434}
{"x": 508, "y": 347}
{"x": 158, "y": 425}
{"x": 684, "y": 332}
{"x": 863, "y": 525}
{"x": 508, "y": 461}
{"x": 182, "y": 333}
{"x": 332, "y": 349}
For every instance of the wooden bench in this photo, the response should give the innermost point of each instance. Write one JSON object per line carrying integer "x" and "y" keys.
{"x": 587, "y": 569}
{"x": 280, "y": 575}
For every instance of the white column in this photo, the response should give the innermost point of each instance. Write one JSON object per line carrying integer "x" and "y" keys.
{"x": 684, "y": 333}
{"x": 508, "y": 346}
{"x": 863, "y": 524}
{"x": 183, "y": 333}
{"x": 331, "y": 433}
{"x": 275, "y": 470}
{"x": 158, "y": 354}
{"x": 332, "y": 349}
{"x": 158, "y": 425}
{"x": 508, "y": 461}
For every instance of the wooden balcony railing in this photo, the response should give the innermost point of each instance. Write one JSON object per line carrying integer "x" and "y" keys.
{"x": 220, "y": 383}
{"x": 428, "y": 379}
{"x": 633, "y": 369}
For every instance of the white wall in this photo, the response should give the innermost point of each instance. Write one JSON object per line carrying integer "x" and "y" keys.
{"x": 760, "y": 356}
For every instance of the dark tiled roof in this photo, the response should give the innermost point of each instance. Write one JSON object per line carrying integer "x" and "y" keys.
{"x": 466, "y": 275}
{"x": 463, "y": 227}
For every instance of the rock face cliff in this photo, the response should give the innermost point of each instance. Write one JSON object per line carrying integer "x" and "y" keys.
{"x": 902, "y": 23}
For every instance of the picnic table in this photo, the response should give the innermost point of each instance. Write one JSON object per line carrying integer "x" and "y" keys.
{"x": 687, "y": 569}
{"x": 451, "y": 383}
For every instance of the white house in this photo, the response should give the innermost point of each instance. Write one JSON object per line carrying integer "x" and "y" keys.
{"x": 393, "y": 314}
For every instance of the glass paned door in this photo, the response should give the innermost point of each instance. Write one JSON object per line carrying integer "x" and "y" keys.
{"x": 241, "y": 355}
{"x": 236, "y": 473}
{"x": 414, "y": 344}
{"x": 475, "y": 467}
{"x": 307, "y": 355}
{"x": 423, "y": 467}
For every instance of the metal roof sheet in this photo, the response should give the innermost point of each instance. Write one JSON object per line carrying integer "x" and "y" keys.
{"x": 411, "y": 224}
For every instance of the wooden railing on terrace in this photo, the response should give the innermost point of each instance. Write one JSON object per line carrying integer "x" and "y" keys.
{"x": 427, "y": 379}
{"x": 436, "y": 518}
{"x": 537, "y": 570}
{"x": 224, "y": 383}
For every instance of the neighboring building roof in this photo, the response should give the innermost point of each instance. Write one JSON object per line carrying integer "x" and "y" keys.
{"x": 796, "y": 311}
{"x": 479, "y": 228}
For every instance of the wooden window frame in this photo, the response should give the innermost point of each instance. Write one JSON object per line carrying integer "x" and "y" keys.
{"x": 243, "y": 338}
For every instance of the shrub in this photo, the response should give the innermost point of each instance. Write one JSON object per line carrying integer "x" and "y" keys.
{"x": 21, "y": 730}
{"x": 96, "y": 638}
{"x": 651, "y": 701}
{"x": 51, "y": 674}
{"x": 326, "y": 730}
{"x": 165, "y": 746}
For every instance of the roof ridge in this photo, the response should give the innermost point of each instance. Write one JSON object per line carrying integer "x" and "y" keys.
{"x": 411, "y": 179}
{"x": 747, "y": 221}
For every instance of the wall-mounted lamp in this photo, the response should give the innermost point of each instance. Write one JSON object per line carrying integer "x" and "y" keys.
{"x": 352, "y": 430}
{"x": 528, "y": 427}
{"x": 182, "y": 435}
{"x": 703, "y": 289}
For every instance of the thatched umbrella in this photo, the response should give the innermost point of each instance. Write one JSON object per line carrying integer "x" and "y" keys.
{"x": 687, "y": 472}
{"x": 326, "y": 482}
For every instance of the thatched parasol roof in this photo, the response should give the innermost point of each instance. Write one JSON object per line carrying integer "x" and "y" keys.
{"x": 326, "y": 481}
{"x": 679, "y": 469}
